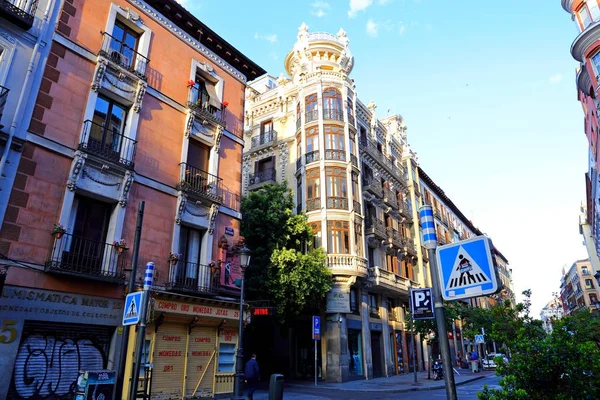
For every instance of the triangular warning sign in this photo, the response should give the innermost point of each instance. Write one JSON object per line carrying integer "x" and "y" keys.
{"x": 466, "y": 272}
{"x": 132, "y": 312}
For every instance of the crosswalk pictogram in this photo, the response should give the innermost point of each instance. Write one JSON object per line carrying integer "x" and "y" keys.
{"x": 466, "y": 272}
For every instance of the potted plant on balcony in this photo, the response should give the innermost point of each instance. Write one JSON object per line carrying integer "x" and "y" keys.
{"x": 174, "y": 258}
{"x": 225, "y": 104}
{"x": 191, "y": 83}
{"x": 58, "y": 231}
{"x": 120, "y": 245}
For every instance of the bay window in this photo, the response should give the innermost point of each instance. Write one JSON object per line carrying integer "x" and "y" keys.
{"x": 338, "y": 237}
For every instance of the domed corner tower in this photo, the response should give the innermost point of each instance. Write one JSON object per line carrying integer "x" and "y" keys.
{"x": 314, "y": 51}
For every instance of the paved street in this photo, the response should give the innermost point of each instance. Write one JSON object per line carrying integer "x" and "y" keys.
{"x": 467, "y": 391}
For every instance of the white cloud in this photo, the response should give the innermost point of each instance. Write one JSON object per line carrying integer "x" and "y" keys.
{"x": 384, "y": 2}
{"x": 269, "y": 38}
{"x": 358, "y": 5}
{"x": 402, "y": 29}
{"x": 556, "y": 78}
{"x": 320, "y": 8}
{"x": 372, "y": 28}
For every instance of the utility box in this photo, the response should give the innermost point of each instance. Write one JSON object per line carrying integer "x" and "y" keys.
{"x": 276, "y": 387}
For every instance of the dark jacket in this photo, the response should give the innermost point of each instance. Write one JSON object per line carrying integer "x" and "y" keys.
{"x": 251, "y": 371}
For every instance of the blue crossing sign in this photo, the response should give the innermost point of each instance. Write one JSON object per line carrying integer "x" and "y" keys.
{"x": 131, "y": 312}
{"x": 466, "y": 269}
{"x": 316, "y": 331}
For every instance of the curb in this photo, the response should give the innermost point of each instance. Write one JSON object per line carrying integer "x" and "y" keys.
{"x": 415, "y": 389}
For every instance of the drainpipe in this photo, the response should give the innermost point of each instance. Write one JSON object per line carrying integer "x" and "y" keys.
{"x": 49, "y": 21}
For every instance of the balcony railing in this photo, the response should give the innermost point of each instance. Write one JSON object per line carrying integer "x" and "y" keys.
{"x": 313, "y": 204}
{"x": 351, "y": 119}
{"x": 395, "y": 237}
{"x": 190, "y": 277}
{"x": 339, "y": 203}
{"x": 263, "y": 138}
{"x": 312, "y": 156}
{"x": 198, "y": 182}
{"x": 373, "y": 149}
{"x": 343, "y": 263}
{"x": 405, "y": 209}
{"x": 374, "y": 312}
{"x": 333, "y": 114}
{"x": 409, "y": 244}
{"x": 357, "y": 206}
{"x": 375, "y": 226}
{"x": 200, "y": 104}
{"x": 19, "y": 12}
{"x": 124, "y": 56}
{"x": 372, "y": 185}
{"x": 267, "y": 175}
{"x": 79, "y": 256}
{"x": 338, "y": 155}
{"x": 310, "y": 116}
{"x": 3, "y": 97}
{"x": 390, "y": 198}
{"x": 299, "y": 163}
{"x": 393, "y": 315}
{"x": 108, "y": 143}
{"x": 354, "y": 160}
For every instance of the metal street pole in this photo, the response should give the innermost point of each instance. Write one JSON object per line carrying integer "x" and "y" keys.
{"x": 430, "y": 242}
{"x": 238, "y": 392}
{"x": 130, "y": 289}
{"x": 414, "y": 340}
{"x": 141, "y": 336}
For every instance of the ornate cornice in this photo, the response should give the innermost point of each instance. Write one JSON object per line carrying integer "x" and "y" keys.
{"x": 158, "y": 17}
{"x": 584, "y": 83}
{"x": 585, "y": 40}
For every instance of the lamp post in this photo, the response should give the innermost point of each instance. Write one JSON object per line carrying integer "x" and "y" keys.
{"x": 239, "y": 362}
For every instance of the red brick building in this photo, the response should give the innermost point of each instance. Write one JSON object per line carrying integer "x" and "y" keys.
{"x": 139, "y": 101}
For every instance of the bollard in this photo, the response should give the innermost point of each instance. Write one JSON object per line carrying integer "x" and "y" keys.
{"x": 276, "y": 387}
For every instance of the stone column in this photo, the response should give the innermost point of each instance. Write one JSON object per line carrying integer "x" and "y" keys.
{"x": 366, "y": 335}
{"x": 385, "y": 331}
{"x": 337, "y": 348}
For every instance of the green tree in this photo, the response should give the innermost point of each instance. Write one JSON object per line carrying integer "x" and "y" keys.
{"x": 285, "y": 268}
{"x": 563, "y": 365}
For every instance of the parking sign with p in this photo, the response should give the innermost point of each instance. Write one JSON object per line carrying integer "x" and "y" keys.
{"x": 421, "y": 301}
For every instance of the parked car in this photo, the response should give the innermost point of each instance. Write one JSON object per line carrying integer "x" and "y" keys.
{"x": 489, "y": 362}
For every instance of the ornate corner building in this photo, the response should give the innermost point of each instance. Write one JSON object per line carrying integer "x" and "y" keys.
{"x": 586, "y": 50}
{"x": 345, "y": 167}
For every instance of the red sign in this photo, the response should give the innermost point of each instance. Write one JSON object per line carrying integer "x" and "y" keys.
{"x": 262, "y": 311}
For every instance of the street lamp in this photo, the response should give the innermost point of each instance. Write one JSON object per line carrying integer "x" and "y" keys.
{"x": 239, "y": 362}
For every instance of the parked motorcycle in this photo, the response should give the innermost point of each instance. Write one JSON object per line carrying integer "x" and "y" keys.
{"x": 438, "y": 370}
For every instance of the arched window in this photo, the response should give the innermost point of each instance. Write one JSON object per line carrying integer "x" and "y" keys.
{"x": 332, "y": 105}
{"x": 310, "y": 108}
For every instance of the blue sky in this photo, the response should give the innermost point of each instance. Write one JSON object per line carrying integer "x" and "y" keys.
{"x": 488, "y": 93}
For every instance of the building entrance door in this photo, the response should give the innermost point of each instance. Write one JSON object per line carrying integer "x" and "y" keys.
{"x": 376, "y": 353}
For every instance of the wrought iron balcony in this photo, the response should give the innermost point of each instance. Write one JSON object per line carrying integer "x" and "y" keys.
{"x": 201, "y": 184}
{"x": 200, "y": 104}
{"x": 405, "y": 210}
{"x": 3, "y": 97}
{"x": 313, "y": 204}
{"x": 374, "y": 312}
{"x": 372, "y": 185}
{"x": 354, "y": 160}
{"x": 351, "y": 120}
{"x": 312, "y": 156}
{"x": 389, "y": 198}
{"x": 263, "y": 138}
{"x": 375, "y": 226}
{"x": 194, "y": 278}
{"x": 333, "y": 114}
{"x": 124, "y": 56}
{"x": 395, "y": 237}
{"x": 372, "y": 148}
{"x": 258, "y": 177}
{"x": 310, "y": 116}
{"x": 20, "y": 13}
{"x": 339, "y": 203}
{"x": 409, "y": 245}
{"x": 79, "y": 256}
{"x": 338, "y": 155}
{"x": 108, "y": 144}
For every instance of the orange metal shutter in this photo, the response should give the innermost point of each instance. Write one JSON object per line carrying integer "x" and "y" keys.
{"x": 169, "y": 355}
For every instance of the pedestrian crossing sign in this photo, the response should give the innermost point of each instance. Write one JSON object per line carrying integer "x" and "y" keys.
{"x": 131, "y": 312}
{"x": 466, "y": 269}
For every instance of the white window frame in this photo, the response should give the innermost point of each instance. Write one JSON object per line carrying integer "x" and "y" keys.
{"x": 8, "y": 45}
{"x": 128, "y": 19}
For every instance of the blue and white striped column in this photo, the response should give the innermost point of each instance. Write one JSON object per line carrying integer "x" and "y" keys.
{"x": 428, "y": 227}
{"x": 149, "y": 277}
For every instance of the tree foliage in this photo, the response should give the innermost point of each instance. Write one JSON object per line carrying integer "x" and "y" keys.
{"x": 563, "y": 365}
{"x": 284, "y": 267}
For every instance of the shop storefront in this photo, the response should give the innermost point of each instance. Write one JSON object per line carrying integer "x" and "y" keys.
{"x": 191, "y": 346}
{"x": 355, "y": 350}
{"x": 48, "y": 336}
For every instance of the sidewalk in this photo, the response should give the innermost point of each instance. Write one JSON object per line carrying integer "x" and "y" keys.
{"x": 392, "y": 384}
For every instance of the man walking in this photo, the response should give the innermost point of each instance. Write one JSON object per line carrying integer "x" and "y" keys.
{"x": 252, "y": 376}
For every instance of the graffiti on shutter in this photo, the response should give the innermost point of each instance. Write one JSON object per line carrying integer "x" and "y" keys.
{"x": 201, "y": 361}
{"x": 169, "y": 355}
{"x": 50, "y": 356}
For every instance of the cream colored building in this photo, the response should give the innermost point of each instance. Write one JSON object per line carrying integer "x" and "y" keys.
{"x": 345, "y": 167}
